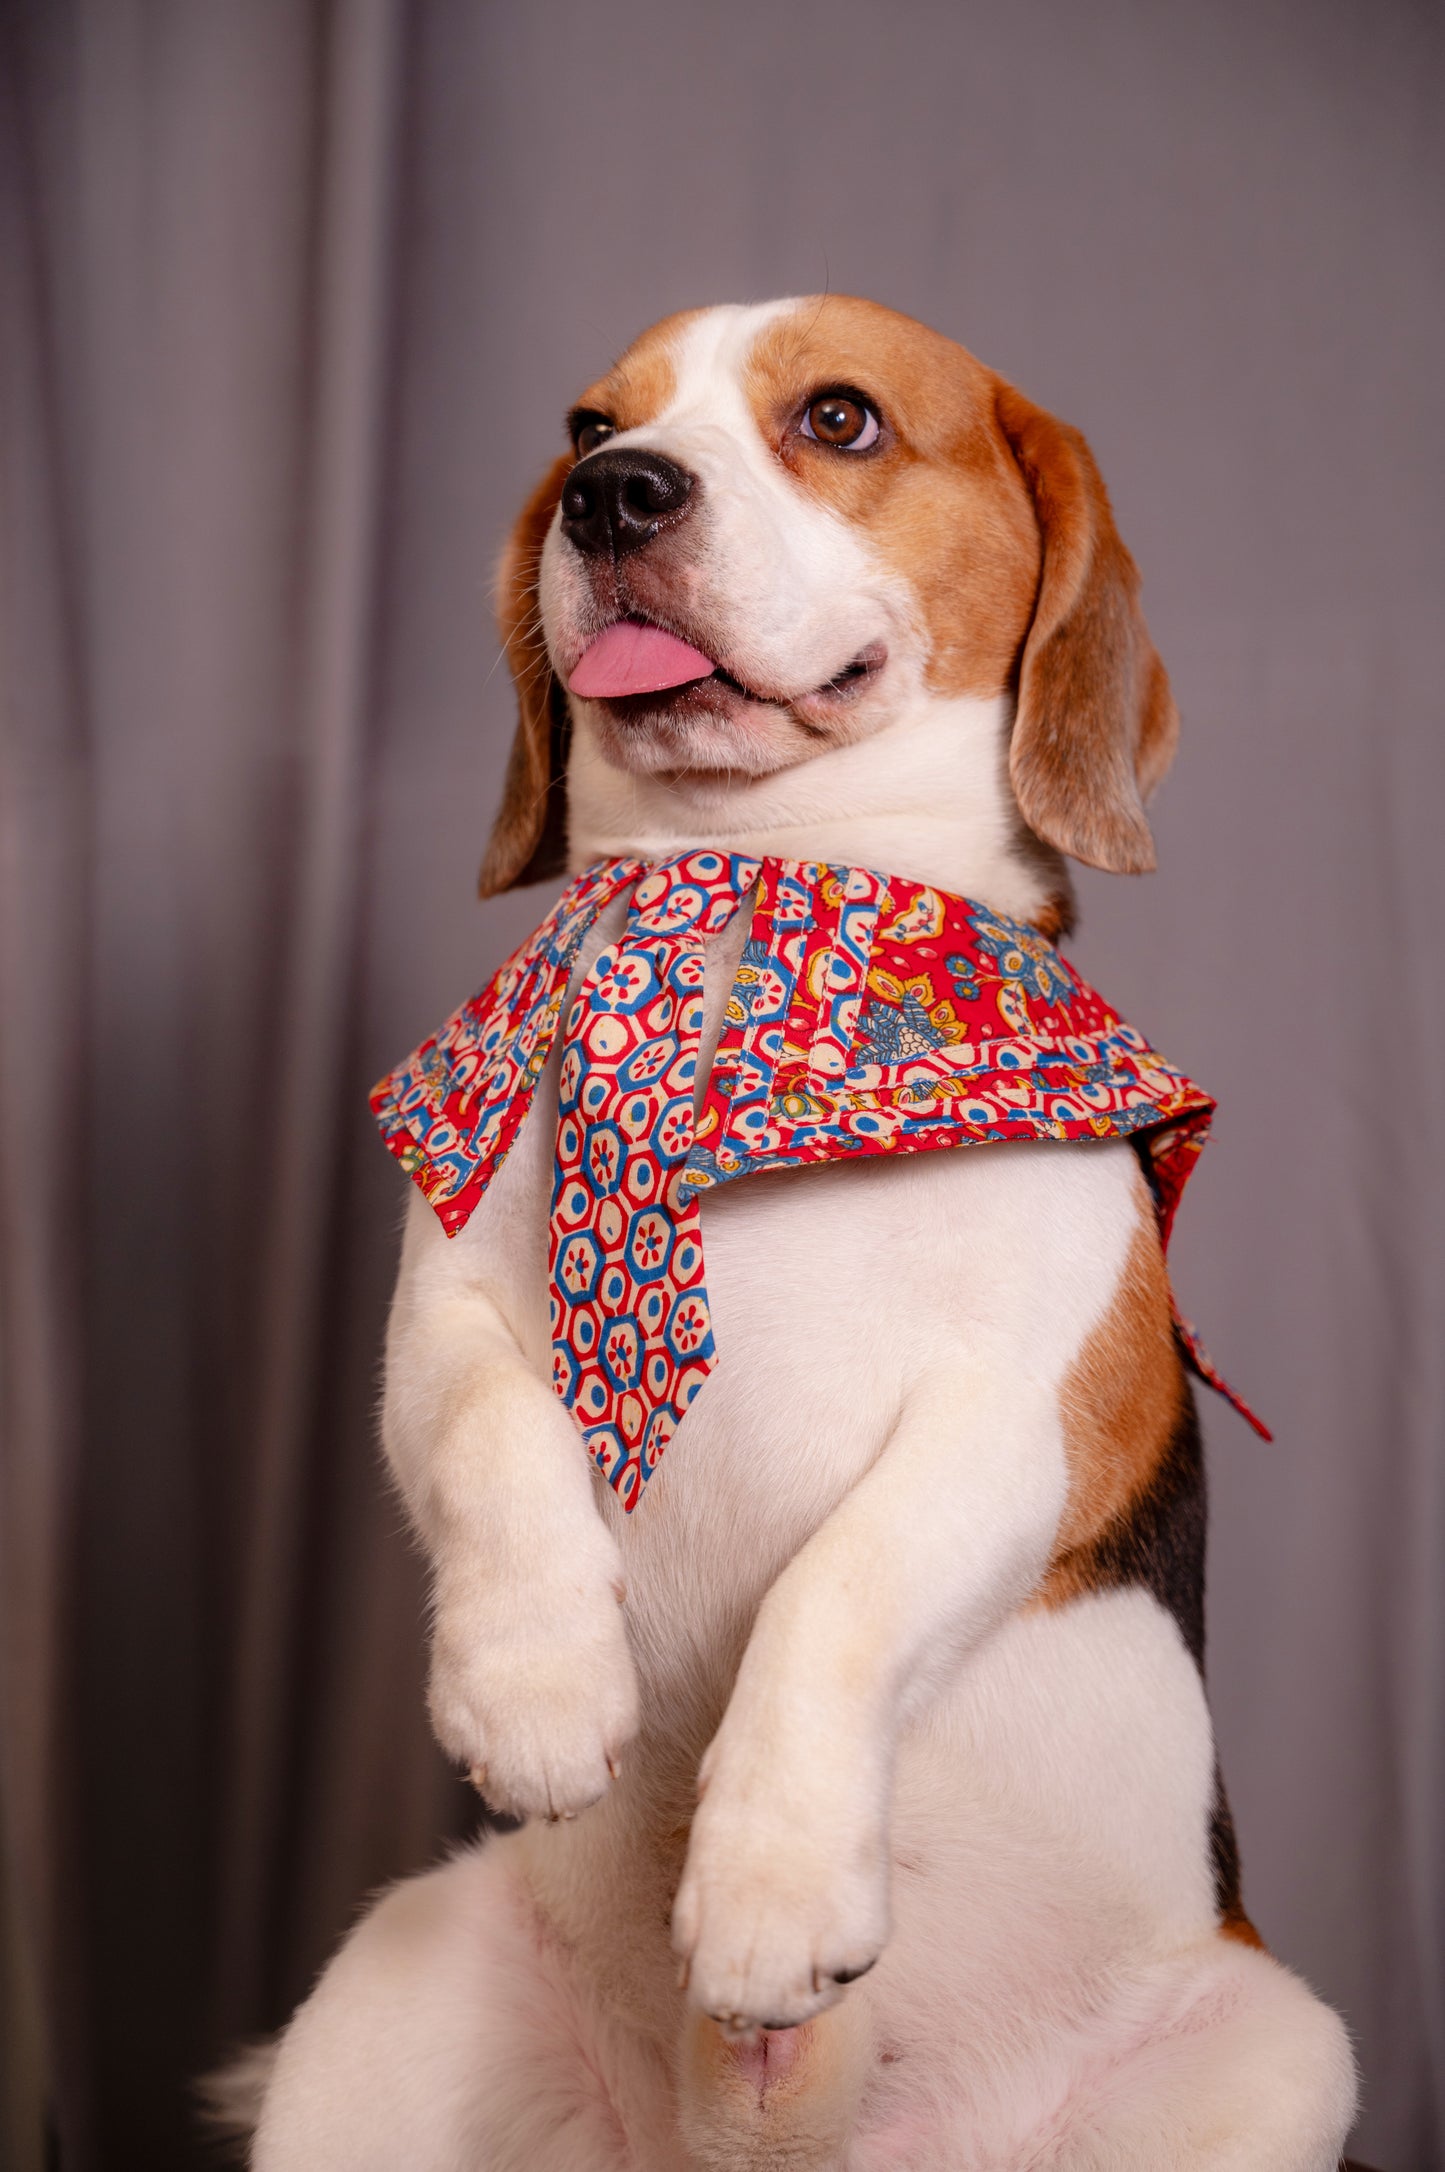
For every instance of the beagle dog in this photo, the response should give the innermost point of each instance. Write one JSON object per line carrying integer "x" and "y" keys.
{"x": 869, "y": 1809}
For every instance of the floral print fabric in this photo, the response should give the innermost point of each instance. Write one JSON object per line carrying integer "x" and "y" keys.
{"x": 869, "y": 1015}
{"x": 875, "y": 1017}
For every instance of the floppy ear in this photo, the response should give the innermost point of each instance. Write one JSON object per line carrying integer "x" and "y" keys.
{"x": 529, "y": 840}
{"x": 1096, "y": 725}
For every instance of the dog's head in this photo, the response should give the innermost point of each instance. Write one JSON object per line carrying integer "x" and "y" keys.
{"x": 787, "y": 530}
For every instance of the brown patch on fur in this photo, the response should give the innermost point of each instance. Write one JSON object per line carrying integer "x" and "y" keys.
{"x": 1121, "y": 1405}
{"x": 991, "y": 510}
{"x": 997, "y": 517}
{"x": 1054, "y": 919}
{"x": 940, "y": 499}
{"x": 1096, "y": 727}
{"x": 641, "y": 382}
{"x": 1135, "y": 1512}
{"x": 528, "y": 840}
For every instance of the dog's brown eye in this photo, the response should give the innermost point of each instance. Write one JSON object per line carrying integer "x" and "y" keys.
{"x": 841, "y": 419}
{"x": 590, "y": 431}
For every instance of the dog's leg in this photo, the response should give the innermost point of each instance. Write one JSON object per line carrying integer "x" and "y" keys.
{"x": 532, "y": 1685}
{"x": 785, "y": 1896}
{"x": 451, "y": 2034}
{"x": 1251, "y": 2074}
{"x": 1215, "y": 2060}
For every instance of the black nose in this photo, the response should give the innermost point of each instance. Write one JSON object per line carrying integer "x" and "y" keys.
{"x": 614, "y": 502}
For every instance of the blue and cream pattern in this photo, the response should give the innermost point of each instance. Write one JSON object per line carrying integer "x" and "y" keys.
{"x": 868, "y": 1015}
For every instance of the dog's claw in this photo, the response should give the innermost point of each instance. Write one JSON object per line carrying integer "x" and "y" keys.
{"x": 738, "y": 2028}
{"x": 478, "y": 1778}
{"x": 614, "y": 1768}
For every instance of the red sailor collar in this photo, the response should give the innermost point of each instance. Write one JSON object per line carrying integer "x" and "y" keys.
{"x": 869, "y": 1015}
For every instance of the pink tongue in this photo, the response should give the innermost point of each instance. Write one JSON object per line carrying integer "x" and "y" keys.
{"x": 633, "y": 659}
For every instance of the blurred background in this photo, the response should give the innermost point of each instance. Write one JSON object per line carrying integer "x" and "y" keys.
{"x": 293, "y": 295}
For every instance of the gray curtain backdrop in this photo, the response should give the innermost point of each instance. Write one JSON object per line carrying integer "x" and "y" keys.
{"x": 292, "y": 298}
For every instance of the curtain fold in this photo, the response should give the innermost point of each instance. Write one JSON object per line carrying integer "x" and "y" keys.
{"x": 44, "y": 904}
{"x": 348, "y": 342}
{"x": 198, "y": 334}
{"x": 293, "y": 295}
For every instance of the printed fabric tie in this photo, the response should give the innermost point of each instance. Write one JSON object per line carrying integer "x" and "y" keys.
{"x": 631, "y": 1331}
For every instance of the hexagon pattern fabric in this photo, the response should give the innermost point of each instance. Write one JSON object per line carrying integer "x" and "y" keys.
{"x": 869, "y": 1015}
{"x": 631, "y": 1330}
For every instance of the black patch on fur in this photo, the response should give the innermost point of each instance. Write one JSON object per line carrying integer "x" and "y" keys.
{"x": 1224, "y": 1854}
{"x": 1157, "y": 1540}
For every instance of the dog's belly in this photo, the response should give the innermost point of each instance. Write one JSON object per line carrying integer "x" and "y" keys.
{"x": 834, "y": 1291}
{"x": 1052, "y": 1796}
{"x": 1049, "y": 1841}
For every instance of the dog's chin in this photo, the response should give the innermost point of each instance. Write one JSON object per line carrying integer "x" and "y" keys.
{"x": 712, "y": 732}
{"x": 703, "y": 731}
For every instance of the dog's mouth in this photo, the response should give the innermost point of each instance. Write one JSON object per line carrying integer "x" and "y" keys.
{"x": 639, "y": 667}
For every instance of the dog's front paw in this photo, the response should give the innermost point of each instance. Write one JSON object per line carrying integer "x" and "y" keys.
{"x": 532, "y": 1685}
{"x": 784, "y": 1900}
